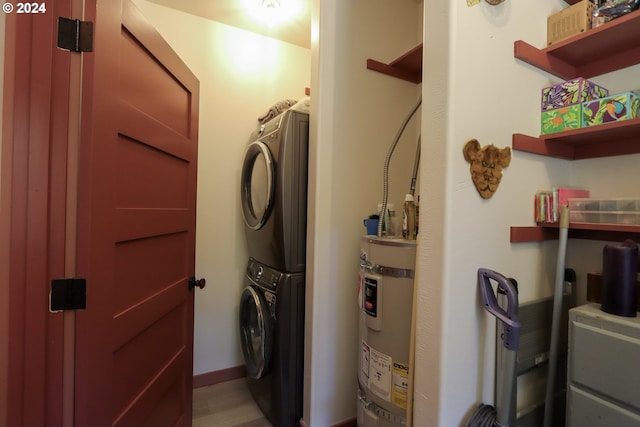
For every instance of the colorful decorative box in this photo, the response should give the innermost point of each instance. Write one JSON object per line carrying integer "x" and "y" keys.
{"x": 571, "y": 92}
{"x": 623, "y": 106}
{"x": 561, "y": 119}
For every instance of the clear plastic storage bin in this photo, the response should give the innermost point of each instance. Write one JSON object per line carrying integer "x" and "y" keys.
{"x": 605, "y": 211}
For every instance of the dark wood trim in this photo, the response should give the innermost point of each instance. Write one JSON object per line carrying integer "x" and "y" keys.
{"x": 9, "y": 257}
{"x": 215, "y": 377}
{"x": 592, "y": 53}
{"x": 531, "y": 144}
{"x": 532, "y": 234}
{"x": 603, "y": 232}
{"x": 352, "y": 422}
{"x": 35, "y": 117}
{"x": 406, "y": 67}
{"x": 535, "y": 57}
{"x": 347, "y": 423}
{"x": 610, "y": 139}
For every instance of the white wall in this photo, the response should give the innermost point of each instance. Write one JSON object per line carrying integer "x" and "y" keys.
{"x": 241, "y": 75}
{"x": 356, "y": 113}
{"x": 607, "y": 177}
{"x": 483, "y": 93}
{"x": 488, "y": 95}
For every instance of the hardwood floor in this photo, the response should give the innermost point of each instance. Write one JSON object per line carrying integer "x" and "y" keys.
{"x": 226, "y": 404}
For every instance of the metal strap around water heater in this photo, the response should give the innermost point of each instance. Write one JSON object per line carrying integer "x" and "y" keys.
{"x": 400, "y": 273}
{"x": 396, "y": 420}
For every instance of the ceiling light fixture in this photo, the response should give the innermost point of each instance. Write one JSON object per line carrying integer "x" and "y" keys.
{"x": 271, "y": 4}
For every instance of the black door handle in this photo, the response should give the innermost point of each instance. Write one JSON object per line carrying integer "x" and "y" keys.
{"x": 200, "y": 283}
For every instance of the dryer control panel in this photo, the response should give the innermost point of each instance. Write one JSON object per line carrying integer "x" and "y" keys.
{"x": 264, "y": 276}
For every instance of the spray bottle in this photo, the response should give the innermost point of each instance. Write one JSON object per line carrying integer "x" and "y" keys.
{"x": 409, "y": 218}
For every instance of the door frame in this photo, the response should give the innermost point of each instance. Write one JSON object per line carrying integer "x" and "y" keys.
{"x": 38, "y": 215}
{"x": 34, "y": 205}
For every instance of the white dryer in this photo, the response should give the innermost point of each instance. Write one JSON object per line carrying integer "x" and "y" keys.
{"x": 274, "y": 190}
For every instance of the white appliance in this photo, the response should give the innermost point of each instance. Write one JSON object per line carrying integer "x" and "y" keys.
{"x": 386, "y": 283}
{"x": 604, "y": 351}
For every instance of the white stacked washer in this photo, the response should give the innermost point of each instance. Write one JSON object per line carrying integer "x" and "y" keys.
{"x": 274, "y": 205}
{"x": 385, "y": 306}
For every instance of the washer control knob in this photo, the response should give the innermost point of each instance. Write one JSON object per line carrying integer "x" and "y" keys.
{"x": 259, "y": 273}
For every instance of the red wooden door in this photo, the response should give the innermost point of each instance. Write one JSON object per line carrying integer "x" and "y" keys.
{"x": 136, "y": 225}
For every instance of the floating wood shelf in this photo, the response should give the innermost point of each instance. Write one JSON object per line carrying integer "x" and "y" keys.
{"x": 407, "y": 67}
{"x": 611, "y": 139}
{"x": 606, "y": 232}
{"x": 597, "y": 51}
{"x": 610, "y": 47}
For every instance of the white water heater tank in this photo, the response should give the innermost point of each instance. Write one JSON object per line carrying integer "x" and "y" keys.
{"x": 385, "y": 302}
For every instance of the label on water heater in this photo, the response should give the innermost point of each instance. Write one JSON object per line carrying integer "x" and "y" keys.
{"x": 383, "y": 376}
{"x": 400, "y": 384}
{"x": 380, "y": 374}
{"x": 365, "y": 356}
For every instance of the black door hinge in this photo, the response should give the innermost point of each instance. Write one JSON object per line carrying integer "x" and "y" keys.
{"x": 68, "y": 294}
{"x": 75, "y": 35}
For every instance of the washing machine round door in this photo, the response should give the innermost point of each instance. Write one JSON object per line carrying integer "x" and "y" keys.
{"x": 257, "y": 185}
{"x": 255, "y": 332}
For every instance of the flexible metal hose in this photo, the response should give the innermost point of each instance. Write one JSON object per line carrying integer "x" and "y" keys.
{"x": 385, "y": 185}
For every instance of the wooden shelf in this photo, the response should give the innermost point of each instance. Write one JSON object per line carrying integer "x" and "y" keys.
{"x": 611, "y": 139}
{"x": 606, "y": 232}
{"x": 406, "y": 67}
{"x": 607, "y": 48}
{"x": 601, "y": 50}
